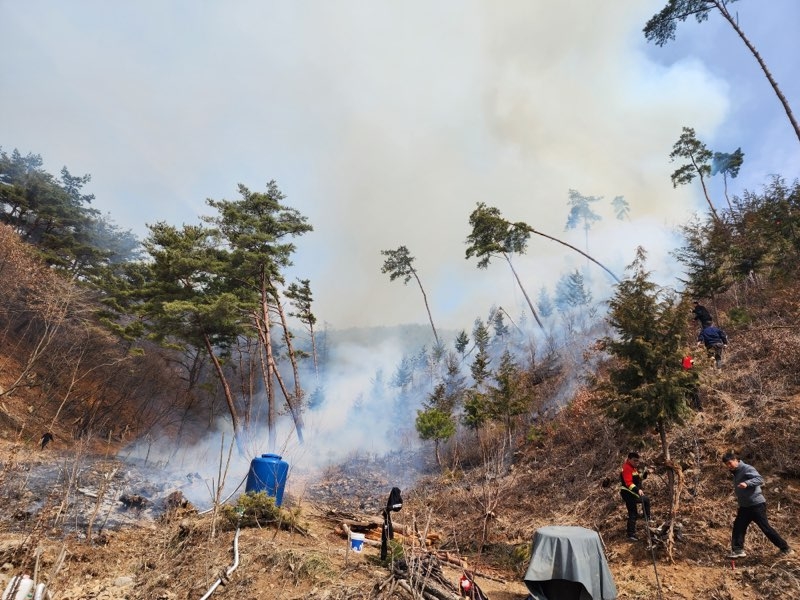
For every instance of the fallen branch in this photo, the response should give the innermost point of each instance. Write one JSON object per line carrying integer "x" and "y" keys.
{"x": 460, "y": 562}
{"x": 86, "y": 492}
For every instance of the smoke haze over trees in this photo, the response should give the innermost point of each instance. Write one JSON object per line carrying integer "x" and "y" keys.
{"x": 530, "y": 107}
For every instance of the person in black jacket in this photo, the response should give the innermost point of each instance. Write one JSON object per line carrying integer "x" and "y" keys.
{"x": 701, "y": 315}
{"x": 715, "y": 340}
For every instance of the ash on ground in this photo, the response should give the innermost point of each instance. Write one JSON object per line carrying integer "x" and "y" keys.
{"x": 87, "y": 495}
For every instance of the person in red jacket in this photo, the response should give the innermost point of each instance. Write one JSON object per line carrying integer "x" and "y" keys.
{"x": 632, "y": 493}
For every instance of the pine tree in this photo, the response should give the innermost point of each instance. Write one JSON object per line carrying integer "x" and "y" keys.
{"x": 698, "y": 164}
{"x": 480, "y": 365}
{"x": 501, "y": 331}
{"x": 647, "y": 386}
{"x": 301, "y": 298}
{"x": 621, "y": 208}
{"x": 544, "y": 303}
{"x": 728, "y": 164}
{"x": 400, "y": 264}
{"x": 662, "y": 26}
{"x": 581, "y": 212}
{"x": 493, "y": 236}
{"x": 571, "y": 292}
{"x": 508, "y": 400}
{"x": 462, "y": 341}
{"x": 437, "y": 425}
{"x": 257, "y": 230}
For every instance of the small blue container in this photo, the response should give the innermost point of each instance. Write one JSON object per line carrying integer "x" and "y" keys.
{"x": 268, "y": 474}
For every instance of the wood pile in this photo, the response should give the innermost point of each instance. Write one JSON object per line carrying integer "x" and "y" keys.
{"x": 372, "y": 528}
{"x": 419, "y": 577}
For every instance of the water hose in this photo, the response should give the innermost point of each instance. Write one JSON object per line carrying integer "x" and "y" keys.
{"x": 224, "y": 577}
{"x": 208, "y": 510}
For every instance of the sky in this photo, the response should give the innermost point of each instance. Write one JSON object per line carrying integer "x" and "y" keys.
{"x": 385, "y": 123}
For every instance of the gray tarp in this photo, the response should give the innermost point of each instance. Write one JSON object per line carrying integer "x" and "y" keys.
{"x": 568, "y": 563}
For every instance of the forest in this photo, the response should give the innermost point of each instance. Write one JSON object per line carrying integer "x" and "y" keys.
{"x": 118, "y": 352}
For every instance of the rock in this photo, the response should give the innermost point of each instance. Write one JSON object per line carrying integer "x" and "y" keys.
{"x": 123, "y": 581}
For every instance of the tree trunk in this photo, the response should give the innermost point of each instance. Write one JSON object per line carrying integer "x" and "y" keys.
{"x": 313, "y": 335}
{"x": 294, "y": 401}
{"x": 264, "y": 330}
{"x": 673, "y": 472}
{"x": 427, "y": 308}
{"x": 727, "y": 199}
{"x": 724, "y": 11}
{"x": 705, "y": 191}
{"x": 266, "y": 342}
{"x": 237, "y": 434}
{"x": 524, "y": 293}
{"x": 578, "y": 250}
{"x": 246, "y": 377}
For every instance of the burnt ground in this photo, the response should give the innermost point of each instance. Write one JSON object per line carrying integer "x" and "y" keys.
{"x": 146, "y": 552}
{"x": 92, "y": 526}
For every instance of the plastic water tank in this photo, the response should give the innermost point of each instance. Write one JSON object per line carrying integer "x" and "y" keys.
{"x": 268, "y": 474}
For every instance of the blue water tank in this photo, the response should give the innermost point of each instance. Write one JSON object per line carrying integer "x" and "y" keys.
{"x": 268, "y": 474}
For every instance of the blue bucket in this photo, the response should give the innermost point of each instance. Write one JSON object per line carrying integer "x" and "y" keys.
{"x": 268, "y": 474}
{"x": 357, "y": 541}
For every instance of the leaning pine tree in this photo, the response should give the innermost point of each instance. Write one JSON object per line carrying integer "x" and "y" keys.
{"x": 647, "y": 386}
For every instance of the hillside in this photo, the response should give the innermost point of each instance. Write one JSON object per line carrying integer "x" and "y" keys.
{"x": 566, "y": 475}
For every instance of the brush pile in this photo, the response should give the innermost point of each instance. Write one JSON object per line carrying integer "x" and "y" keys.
{"x": 419, "y": 577}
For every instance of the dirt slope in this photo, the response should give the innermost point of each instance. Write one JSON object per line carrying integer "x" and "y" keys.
{"x": 177, "y": 558}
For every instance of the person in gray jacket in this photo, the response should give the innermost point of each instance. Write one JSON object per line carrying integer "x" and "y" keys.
{"x": 747, "y": 484}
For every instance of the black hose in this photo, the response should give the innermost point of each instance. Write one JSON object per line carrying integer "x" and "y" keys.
{"x": 652, "y": 550}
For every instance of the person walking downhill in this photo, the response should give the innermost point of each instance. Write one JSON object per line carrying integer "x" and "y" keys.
{"x": 715, "y": 340}
{"x": 632, "y": 493}
{"x": 747, "y": 484}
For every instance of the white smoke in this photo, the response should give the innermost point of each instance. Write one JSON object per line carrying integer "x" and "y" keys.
{"x": 385, "y": 124}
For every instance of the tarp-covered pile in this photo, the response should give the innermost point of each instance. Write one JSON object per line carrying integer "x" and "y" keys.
{"x": 568, "y": 563}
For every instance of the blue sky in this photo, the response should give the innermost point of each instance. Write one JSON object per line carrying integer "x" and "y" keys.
{"x": 385, "y": 123}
